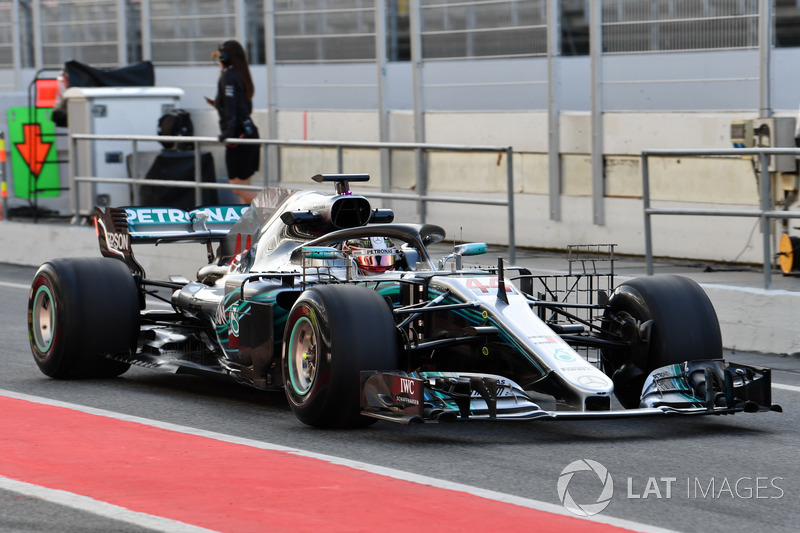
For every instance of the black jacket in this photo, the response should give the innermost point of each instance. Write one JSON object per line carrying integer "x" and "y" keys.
{"x": 232, "y": 104}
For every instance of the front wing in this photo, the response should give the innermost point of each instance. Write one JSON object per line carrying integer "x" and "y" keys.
{"x": 690, "y": 388}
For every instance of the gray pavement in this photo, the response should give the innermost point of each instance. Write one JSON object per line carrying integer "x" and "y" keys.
{"x": 752, "y": 318}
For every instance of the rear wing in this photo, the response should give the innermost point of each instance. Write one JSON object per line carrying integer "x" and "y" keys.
{"x": 118, "y": 228}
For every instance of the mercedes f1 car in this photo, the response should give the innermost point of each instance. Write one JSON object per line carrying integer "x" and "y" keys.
{"x": 350, "y": 314}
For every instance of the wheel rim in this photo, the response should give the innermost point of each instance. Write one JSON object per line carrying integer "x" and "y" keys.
{"x": 302, "y": 356}
{"x": 43, "y": 319}
{"x": 611, "y": 359}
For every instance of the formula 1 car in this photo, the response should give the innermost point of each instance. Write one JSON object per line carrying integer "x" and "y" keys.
{"x": 347, "y": 311}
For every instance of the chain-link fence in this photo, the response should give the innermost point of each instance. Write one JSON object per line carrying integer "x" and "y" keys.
{"x": 489, "y": 28}
{"x": 90, "y": 31}
{"x": 185, "y": 32}
{"x": 443, "y": 35}
{"x": 6, "y": 36}
{"x": 180, "y": 32}
{"x": 632, "y": 26}
{"x": 314, "y": 31}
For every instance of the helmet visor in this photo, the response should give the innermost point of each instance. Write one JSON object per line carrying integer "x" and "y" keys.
{"x": 372, "y": 259}
{"x": 375, "y": 254}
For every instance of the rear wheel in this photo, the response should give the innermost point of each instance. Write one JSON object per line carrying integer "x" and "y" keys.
{"x": 333, "y": 333}
{"x": 79, "y": 309}
{"x": 663, "y": 320}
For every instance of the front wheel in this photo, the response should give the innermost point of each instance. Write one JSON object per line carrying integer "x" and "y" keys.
{"x": 333, "y": 333}
{"x": 662, "y": 320}
{"x": 78, "y": 310}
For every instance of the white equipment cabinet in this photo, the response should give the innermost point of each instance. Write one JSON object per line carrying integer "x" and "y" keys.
{"x": 113, "y": 111}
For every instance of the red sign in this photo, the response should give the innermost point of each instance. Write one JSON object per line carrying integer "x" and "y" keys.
{"x": 33, "y": 149}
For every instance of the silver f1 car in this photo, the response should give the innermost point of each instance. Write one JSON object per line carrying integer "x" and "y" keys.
{"x": 326, "y": 297}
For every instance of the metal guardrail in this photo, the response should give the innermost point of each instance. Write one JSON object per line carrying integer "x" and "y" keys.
{"x": 764, "y": 212}
{"x": 421, "y": 149}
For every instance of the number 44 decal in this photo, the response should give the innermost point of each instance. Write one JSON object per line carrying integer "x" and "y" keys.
{"x": 480, "y": 285}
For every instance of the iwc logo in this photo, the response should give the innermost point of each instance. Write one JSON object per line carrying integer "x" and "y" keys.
{"x": 585, "y": 509}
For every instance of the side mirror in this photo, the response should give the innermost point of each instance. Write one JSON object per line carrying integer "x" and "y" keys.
{"x": 471, "y": 248}
{"x": 321, "y": 252}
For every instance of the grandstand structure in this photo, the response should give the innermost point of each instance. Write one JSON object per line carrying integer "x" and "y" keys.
{"x": 579, "y": 88}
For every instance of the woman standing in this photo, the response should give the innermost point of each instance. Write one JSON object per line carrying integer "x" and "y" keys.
{"x": 234, "y": 103}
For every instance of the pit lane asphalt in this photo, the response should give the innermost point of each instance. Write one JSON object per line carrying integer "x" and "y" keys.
{"x": 523, "y": 459}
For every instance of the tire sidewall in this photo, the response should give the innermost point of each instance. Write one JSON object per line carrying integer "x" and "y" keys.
{"x": 684, "y": 328}
{"x": 308, "y": 307}
{"x": 355, "y": 331}
{"x": 51, "y": 361}
{"x": 685, "y": 325}
{"x": 95, "y": 311}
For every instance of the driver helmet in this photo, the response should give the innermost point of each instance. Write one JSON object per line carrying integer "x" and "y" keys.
{"x": 374, "y": 255}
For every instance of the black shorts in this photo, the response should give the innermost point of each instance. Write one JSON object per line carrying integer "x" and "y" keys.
{"x": 242, "y": 160}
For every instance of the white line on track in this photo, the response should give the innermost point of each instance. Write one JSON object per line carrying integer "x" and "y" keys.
{"x": 781, "y": 386}
{"x": 358, "y": 465}
{"x": 14, "y": 285}
{"x": 153, "y": 302}
{"x": 90, "y": 505}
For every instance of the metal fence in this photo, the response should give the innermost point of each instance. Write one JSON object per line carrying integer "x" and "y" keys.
{"x": 94, "y": 30}
{"x": 421, "y": 196}
{"x": 432, "y": 34}
{"x": 44, "y": 33}
{"x": 631, "y": 26}
{"x": 313, "y": 31}
{"x": 764, "y": 212}
{"x": 488, "y": 28}
{"x": 8, "y": 38}
{"x": 184, "y": 32}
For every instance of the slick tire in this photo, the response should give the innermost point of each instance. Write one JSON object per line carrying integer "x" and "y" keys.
{"x": 79, "y": 309}
{"x": 684, "y": 328}
{"x": 333, "y": 333}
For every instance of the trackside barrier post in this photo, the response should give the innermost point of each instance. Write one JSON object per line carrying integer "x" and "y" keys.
{"x": 512, "y": 251}
{"x": 74, "y": 192}
{"x": 135, "y": 172}
{"x": 764, "y": 211}
{"x": 766, "y": 230}
{"x": 648, "y": 241}
{"x": 198, "y": 174}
